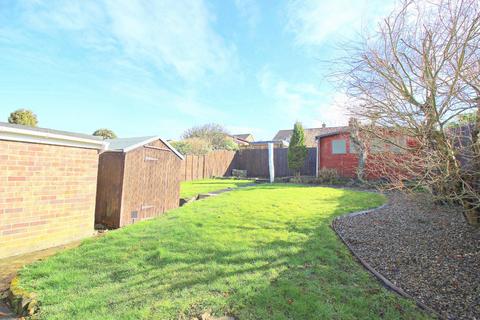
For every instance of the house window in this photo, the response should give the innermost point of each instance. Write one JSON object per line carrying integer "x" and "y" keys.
{"x": 400, "y": 143}
{"x": 339, "y": 147}
{"x": 353, "y": 147}
{"x": 377, "y": 145}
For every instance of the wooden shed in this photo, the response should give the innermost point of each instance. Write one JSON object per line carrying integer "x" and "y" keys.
{"x": 48, "y": 181}
{"x": 138, "y": 179}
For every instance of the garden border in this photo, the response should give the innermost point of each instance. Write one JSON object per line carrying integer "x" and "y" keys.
{"x": 386, "y": 283}
{"x": 200, "y": 196}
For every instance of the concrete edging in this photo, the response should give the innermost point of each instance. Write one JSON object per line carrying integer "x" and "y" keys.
{"x": 200, "y": 196}
{"x": 385, "y": 282}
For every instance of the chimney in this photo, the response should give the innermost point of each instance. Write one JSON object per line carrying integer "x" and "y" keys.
{"x": 324, "y": 125}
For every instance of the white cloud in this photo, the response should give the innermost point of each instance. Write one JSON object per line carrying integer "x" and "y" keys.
{"x": 313, "y": 22}
{"x": 183, "y": 102}
{"x": 167, "y": 35}
{"x": 304, "y": 102}
{"x": 333, "y": 112}
{"x": 249, "y": 10}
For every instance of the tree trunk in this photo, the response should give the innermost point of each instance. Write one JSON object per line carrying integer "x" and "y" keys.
{"x": 360, "y": 147}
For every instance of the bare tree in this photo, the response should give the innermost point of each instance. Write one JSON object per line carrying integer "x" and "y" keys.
{"x": 216, "y": 135}
{"x": 411, "y": 78}
{"x": 360, "y": 147}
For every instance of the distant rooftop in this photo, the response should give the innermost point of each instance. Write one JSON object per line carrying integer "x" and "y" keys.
{"x": 243, "y": 136}
{"x": 310, "y": 134}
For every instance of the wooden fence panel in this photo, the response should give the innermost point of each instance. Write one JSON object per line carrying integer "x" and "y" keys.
{"x": 214, "y": 164}
{"x": 255, "y": 161}
{"x": 221, "y": 162}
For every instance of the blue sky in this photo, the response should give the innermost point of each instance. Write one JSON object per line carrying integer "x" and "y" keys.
{"x": 160, "y": 67}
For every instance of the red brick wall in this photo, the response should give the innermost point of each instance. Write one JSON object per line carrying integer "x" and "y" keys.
{"x": 47, "y": 195}
{"x": 345, "y": 164}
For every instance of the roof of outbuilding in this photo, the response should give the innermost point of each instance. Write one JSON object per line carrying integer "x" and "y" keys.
{"x": 16, "y": 132}
{"x": 333, "y": 131}
{"x": 129, "y": 144}
{"x": 121, "y": 144}
{"x": 51, "y": 131}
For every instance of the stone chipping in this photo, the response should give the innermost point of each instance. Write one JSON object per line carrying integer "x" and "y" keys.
{"x": 426, "y": 249}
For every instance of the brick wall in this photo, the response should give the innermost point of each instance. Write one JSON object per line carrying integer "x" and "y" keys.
{"x": 47, "y": 195}
{"x": 345, "y": 164}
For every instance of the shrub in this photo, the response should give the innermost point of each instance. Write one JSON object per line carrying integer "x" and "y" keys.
{"x": 302, "y": 179}
{"x": 192, "y": 146}
{"x": 328, "y": 176}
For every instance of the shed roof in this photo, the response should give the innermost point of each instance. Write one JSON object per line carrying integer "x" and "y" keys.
{"x": 129, "y": 144}
{"x": 16, "y": 132}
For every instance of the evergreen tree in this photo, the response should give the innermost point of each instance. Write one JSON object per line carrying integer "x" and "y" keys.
{"x": 297, "y": 151}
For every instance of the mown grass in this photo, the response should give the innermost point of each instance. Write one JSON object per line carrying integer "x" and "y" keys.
{"x": 190, "y": 189}
{"x": 263, "y": 252}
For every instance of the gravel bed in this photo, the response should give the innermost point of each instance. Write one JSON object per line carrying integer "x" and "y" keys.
{"x": 427, "y": 250}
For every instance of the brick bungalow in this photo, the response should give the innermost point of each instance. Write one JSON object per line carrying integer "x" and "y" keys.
{"x": 48, "y": 183}
{"x": 335, "y": 150}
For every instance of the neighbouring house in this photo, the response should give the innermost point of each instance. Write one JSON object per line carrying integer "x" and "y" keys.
{"x": 264, "y": 144}
{"x": 335, "y": 150}
{"x": 138, "y": 179}
{"x": 245, "y": 137}
{"x": 48, "y": 186}
{"x": 310, "y": 134}
{"x": 239, "y": 141}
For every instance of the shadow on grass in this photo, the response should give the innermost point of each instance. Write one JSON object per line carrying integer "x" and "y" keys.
{"x": 245, "y": 263}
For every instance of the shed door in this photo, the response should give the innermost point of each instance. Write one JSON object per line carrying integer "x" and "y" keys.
{"x": 155, "y": 179}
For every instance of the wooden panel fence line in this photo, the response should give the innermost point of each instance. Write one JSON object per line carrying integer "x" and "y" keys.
{"x": 221, "y": 162}
{"x": 214, "y": 164}
{"x": 255, "y": 161}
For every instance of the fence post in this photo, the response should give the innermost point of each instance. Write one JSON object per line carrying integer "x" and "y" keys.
{"x": 271, "y": 168}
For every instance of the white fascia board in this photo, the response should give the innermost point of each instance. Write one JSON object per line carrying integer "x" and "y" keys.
{"x": 32, "y": 136}
{"x": 173, "y": 149}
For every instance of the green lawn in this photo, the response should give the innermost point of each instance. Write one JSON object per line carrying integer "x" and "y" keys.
{"x": 263, "y": 252}
{"x": 192, "y": 188}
